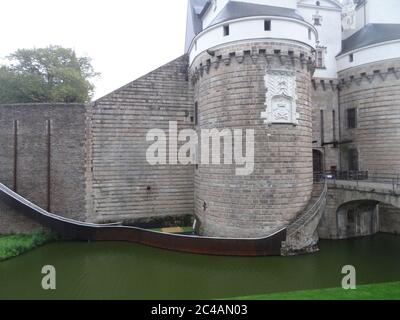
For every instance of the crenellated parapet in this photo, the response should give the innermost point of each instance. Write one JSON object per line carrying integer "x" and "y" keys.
{"x": 324, "y": 84}
{"x": 273, "y": 55}
{"x": 372, "y": 73}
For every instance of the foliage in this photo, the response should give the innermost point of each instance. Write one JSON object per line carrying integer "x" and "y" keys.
{"x": 15, "y": 245}
{"x": 52, "y": 74}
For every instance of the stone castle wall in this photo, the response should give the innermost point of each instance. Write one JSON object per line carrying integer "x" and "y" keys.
{"x": 325, "y": 98}
{"x": 30, "y": 136}
{"x": 105, "y": 145}
{"x": 389, "y": 218}
{"x": 122, "y": 186}
{"x": 230, "y": 91}
{"x": 350, "y": 213}
{"x": 343, "y": 220}
{"x": 374, "y": 90}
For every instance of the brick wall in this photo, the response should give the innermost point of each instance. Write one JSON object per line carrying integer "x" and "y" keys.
{"x": 230, "y": 91}
{"x": 58, "y": 185}
{"x": 122, "y": 185}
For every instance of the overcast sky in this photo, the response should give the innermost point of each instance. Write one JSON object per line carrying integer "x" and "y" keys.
{"x": 125, "y": 38}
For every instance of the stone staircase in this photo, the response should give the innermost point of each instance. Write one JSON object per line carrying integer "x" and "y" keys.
{"x": 302, "y": 234}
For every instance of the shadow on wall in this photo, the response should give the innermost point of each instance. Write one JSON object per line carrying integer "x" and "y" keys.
{"x": 364, "y": 218}
{"x": 357, "y": 218}
{"x": 389, "y": 218}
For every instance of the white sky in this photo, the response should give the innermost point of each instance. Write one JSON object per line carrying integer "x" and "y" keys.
{"x": 125, "y": 38}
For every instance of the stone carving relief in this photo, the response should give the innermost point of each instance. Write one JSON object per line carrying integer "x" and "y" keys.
{"x": 280, "y": 97}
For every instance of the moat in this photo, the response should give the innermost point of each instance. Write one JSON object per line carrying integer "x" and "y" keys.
{"x": 115, "y": 270}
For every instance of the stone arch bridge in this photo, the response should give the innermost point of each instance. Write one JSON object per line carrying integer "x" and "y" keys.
{"x": 360, "y": 208}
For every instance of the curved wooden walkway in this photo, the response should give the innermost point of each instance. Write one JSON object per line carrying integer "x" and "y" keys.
{"x": 81, "y": 231}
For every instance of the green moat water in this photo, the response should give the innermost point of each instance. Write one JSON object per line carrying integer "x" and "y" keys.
{"x": 113, "y": 270}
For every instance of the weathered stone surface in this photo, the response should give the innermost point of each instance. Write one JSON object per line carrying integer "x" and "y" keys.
{"x": 325, "y": 100}
{"x": 67, "y": 160}
{"x": 232, "y": 96}
{"x": 13, "y": 222}
{"x": 99, "y": 171}
{"x": 367, "y": 203}
{"x": 373, "y": 89}
{"x": 389, "y": 219}
{"x": 121, "y": 184}
{"x": 302, "y": 234}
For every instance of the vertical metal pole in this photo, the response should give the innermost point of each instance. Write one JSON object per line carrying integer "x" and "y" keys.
{"x": 48, "y": 165}
{"x": 15, "y": 165}
{"x": 340, "y": 128}
{"x": 357, "y": 178}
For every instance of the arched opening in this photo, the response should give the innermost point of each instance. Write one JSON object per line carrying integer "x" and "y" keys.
{"x": 318, "y": 162}
{"x": 357, "y": 219}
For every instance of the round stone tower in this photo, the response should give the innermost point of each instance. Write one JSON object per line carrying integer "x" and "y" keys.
{"x": 251, "y": 74}
{"x": 369, "y": 82}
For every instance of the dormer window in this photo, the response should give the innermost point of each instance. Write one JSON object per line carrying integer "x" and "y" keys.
{"x": 317, "y": 18}
{"x": 226, "y": 30}
{"x": 351, "y": 57}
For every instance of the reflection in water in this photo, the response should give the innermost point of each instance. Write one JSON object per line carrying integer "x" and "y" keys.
{"x": 115, "y": 270}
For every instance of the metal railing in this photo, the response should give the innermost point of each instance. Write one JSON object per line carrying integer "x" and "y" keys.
{"x": 364, "y": 176}
{"x": 348, "y": 175}
{"x": 308, "y": 215}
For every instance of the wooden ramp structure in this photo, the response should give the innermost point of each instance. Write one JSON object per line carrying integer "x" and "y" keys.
{"x": 81, "y": 231}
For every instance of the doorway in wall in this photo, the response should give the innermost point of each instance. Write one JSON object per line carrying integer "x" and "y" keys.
{"x": 318, "y": 162}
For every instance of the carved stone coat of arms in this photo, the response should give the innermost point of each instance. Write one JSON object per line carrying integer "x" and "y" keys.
{"x": 281, "y": 97}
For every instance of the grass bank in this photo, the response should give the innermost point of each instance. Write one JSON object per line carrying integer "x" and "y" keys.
{"x": 381, "y": 291}
{"x": 15, "y": 245}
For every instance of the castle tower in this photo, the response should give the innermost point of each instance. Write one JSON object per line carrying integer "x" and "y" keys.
{"x": 369, "y": 76}
{"x": 251, "y": 64}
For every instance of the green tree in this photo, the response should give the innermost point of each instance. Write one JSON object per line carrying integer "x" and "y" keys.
{"x": 52, "y": 74}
